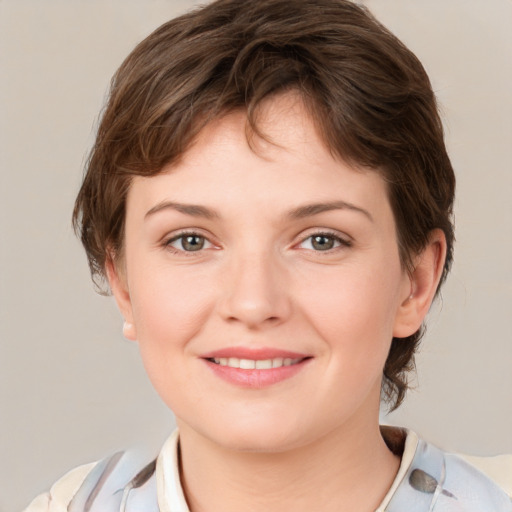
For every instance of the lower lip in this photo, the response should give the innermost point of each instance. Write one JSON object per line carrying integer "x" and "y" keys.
{"x": 256, "y": 378}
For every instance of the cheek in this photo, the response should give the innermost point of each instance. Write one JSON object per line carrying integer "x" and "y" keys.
{"x": 170, "y": 305}
{"x": 353, "y": 314}
{"x": 354, "y": 309}
{"x": 169, "y": 309}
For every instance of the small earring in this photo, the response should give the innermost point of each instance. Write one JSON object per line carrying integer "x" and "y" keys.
{"x": 128, "y": 331}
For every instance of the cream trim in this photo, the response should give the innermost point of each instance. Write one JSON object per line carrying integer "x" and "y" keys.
{"x": 411, "y": 443}
{"x": 39, "y": 504}
{"x": 170, "y": 491}
{"x": 61, "y": 492}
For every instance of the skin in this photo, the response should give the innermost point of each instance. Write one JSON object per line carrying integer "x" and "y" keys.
{"x": 312, "y": 441}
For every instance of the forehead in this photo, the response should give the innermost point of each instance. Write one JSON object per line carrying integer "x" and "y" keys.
{"x": 286, "y": 163}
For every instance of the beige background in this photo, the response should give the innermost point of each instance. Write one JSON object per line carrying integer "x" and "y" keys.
{"x": 72, "y": 390}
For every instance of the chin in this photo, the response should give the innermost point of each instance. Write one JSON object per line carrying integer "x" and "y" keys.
{"x": 254, "y": 435}
{"x": 250, "y": 442}
{"x": 280, "y": 438}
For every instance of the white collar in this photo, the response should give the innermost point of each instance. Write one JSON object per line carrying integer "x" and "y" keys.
{"x": 170, "y": 492}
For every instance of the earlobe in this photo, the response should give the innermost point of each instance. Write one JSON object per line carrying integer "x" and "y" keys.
{"x": 119, "y": 288}
{"x": 424, "y": 279}
{"x": 129, "y": 331}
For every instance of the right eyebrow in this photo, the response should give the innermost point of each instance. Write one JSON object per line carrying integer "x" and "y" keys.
{"x": 193, "y": 210}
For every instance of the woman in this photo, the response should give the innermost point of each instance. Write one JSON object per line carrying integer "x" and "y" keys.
{"x": 270, "y": 200}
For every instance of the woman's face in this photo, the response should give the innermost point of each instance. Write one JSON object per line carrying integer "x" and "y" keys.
{"x": 264, "y": 285}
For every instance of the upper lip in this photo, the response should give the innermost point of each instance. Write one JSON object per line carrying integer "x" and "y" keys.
{"x": 254, "y": 353}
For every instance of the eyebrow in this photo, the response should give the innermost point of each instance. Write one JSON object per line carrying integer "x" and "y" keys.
{"x": 308, "y": 210}
{"x": 193, "y": 210}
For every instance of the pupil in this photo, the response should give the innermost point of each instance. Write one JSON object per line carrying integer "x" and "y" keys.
{"x": 193, "y": 243}
{"x": 323, "y": 242}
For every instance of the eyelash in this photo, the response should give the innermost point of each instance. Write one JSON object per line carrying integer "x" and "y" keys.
{"x": 342, "y": 242}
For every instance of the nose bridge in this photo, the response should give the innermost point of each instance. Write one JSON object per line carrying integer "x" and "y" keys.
{"x": 254, "y": 287}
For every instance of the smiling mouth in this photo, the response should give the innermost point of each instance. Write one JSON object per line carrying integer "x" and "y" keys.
{"x": 255, "y": 368}
{"x": 255, "y": 364}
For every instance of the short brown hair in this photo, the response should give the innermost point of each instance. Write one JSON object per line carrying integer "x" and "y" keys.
{"x": 369, "y": 96}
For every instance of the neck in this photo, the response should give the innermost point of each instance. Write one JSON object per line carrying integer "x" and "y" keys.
{"x": 347, "y": 469}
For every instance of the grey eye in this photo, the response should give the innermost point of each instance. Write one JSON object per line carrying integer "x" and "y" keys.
{"x": 323, "y": 242}
{"x": 192, "y": 242}
{"x": 188, "y": 242}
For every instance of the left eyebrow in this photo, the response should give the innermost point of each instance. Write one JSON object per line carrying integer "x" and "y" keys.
{"x": 309, "y": 210}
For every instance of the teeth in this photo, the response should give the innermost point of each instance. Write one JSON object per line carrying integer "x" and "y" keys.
{"x": 277, "y": 362}
{"x": 247, "y": 364}
{"x": 264, "y": 364}
{"x": 251, "y": 364}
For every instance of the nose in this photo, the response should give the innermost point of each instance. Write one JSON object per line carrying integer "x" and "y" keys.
{"x": 254, "y": 291}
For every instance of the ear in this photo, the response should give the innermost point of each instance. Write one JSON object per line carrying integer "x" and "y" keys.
{"x": 119, "y": 286}
{"x": 424, "y": 279}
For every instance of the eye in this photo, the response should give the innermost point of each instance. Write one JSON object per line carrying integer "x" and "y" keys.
{"x": 188, "y": 242}
{"x": 323, "y": 242}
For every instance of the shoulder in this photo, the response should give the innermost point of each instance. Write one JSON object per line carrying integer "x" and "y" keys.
{"x": 462, "y": 483}
{"x": 497, "y": 469}
{"x": 123, "y": 480}
{"x": 431, "y": 480}
{"x": 62, "y": 491}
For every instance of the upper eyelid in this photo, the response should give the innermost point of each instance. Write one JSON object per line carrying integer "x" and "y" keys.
{"x": 327, "y": 232}
{"x": 343, "y": 242}
{"x": 185, "y": 232}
